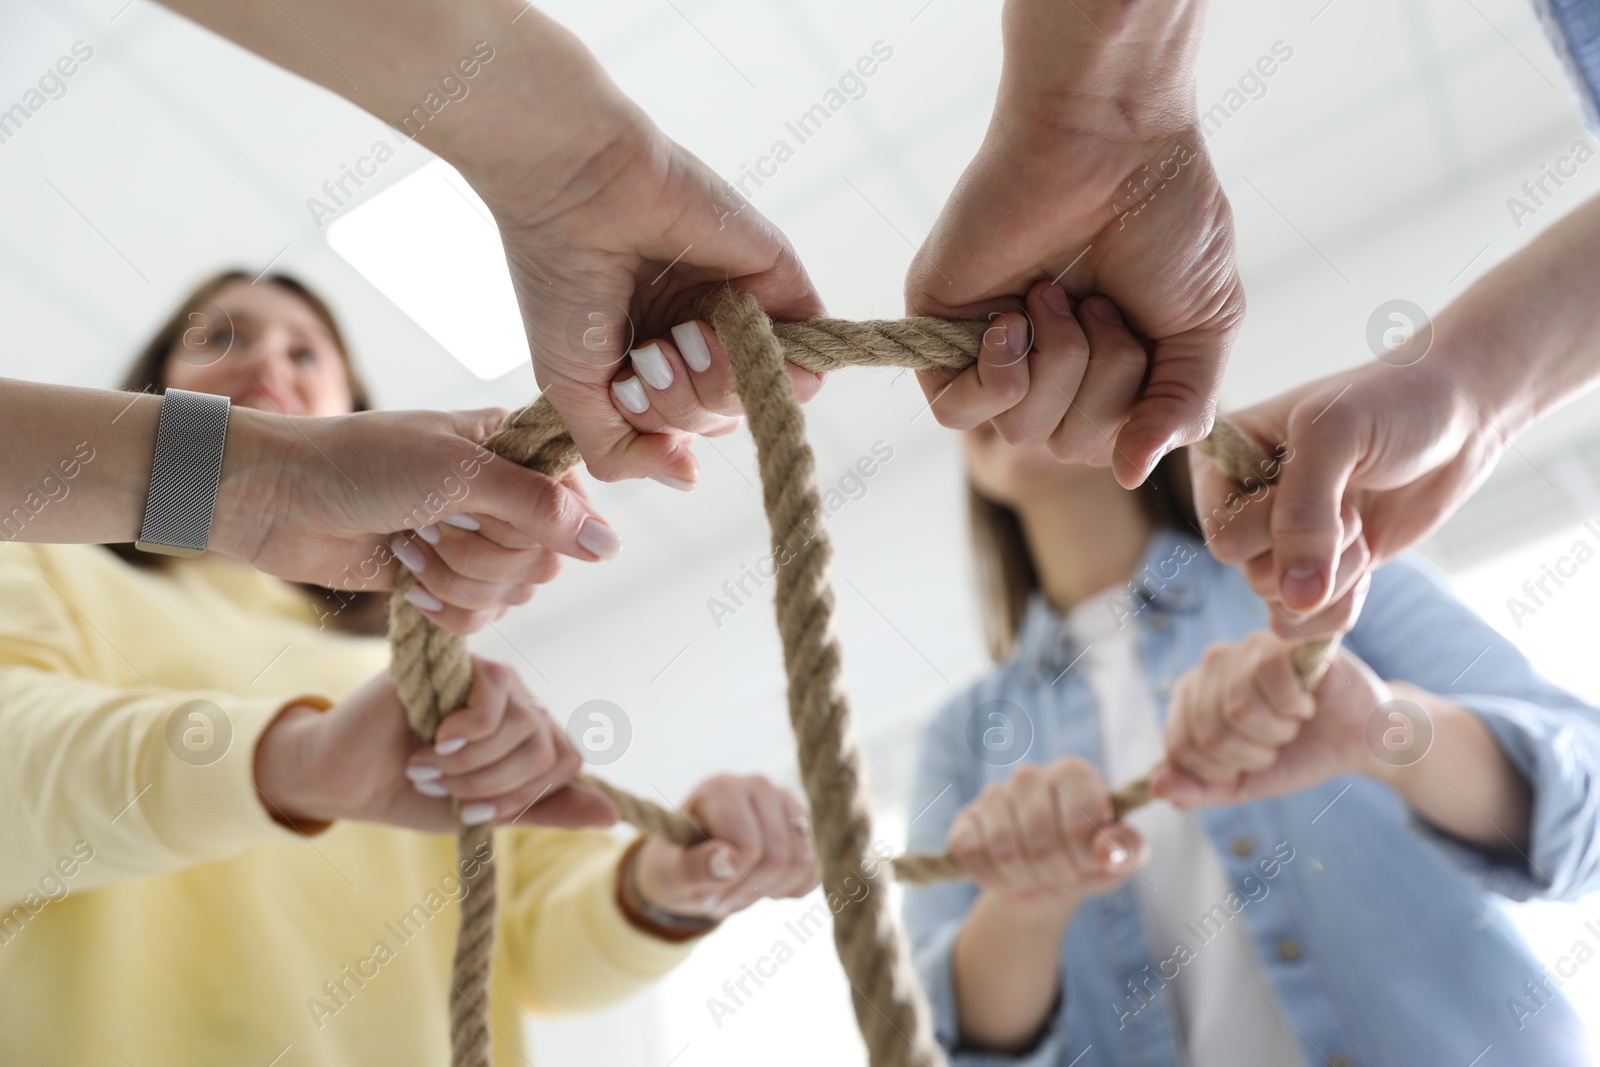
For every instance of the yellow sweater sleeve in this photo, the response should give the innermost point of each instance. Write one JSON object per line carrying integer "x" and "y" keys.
{"x": 150, "y": 779}
{"x": 570, "y": 946}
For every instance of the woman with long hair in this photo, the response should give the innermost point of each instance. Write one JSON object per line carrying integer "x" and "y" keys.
{"x": 1314, "y": 883}
{"x": 225, "y": 845}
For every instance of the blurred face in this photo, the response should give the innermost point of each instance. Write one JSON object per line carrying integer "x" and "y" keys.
{"x": 1013, "y": 474}
{"x": 262, "y": 347}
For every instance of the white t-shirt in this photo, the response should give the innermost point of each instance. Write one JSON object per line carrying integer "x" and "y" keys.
{"x": 1223, "y": 1022}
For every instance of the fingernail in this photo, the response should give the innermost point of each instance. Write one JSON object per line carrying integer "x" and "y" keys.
{"x": 429, "y": 534}
{"x": 1017, "y": 338}
{"x": 599, "y": 538}
{"x": 1118, "y": 857}
{"x": 676, "y": 483}
{"x": 692, "y": 344}
{"x": 430, "y": 789}
{"x": 408, "y": 553}
{"x": 463, "y": 522}
{"x": 720, "y": 867}
{"x": 423, "y": 599}
{"x": 450, "y": 747}
{"x": 423, "y": 772}
{"x": 1301, "y": 586}
{"x": 1055, "y": 298}
{"x": 477, "y": 814}
{"x": 652, "y": 365}
{"x": 706, "y": 904}
{"x": 631, "y": 395}
{"x": 1106, "y": 311}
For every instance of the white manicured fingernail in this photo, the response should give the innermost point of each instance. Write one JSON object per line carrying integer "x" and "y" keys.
{"x": 462, "y": 522}
{"x": 652, "y": 365}
{"x": 1118, "y": 857}
{"x": 408, "y": 553}
{"x": 720, "y": 867}
{"x": 631, "y": 395}
{"x": 422, "y": 772}
{"x": 450, "y": 747}
{"x": 674, "y": 483}
{"x": 692, "y": 344}
{"x": 599, "y": 538}
{"x": 477, "y": 814}
{"x": 429, "y": 534}
{"x": 430, "y": 789}
{"x": 423, "y": 599}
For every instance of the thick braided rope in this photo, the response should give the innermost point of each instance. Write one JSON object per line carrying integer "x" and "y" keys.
{"x": 433, "y": 671}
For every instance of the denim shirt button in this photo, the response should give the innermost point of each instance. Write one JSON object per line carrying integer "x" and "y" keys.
{"x": 1242, "y": 847}
{"x": 1339, "y": 1059}
{"x": 1290, "y": 950}
{"x": 1158, "y": 621}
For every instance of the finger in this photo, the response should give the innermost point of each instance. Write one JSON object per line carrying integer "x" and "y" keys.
{"x": 1045, "y": 837}
{"x": 725, "y": 810}
{"x": 1236, "y": 523}
{"x": 1117, "y": 367}
{"x": 995, "y": 383}
{"x": 522, "y": 721}
{"x": 538, "y": 510}
{"x": 472, "y": 556}
{"x": 1339, "y": 616}
{"x": 1055, "y": 368}
{"x": 612, "y": 448}
{"x": 1115, "y": 853}
{"x": 484, "y": 711}
{"x": 710, "y": 371}
{"x": 777, "y": 837}
{"x": 508, "y": 807}
{"x": 663, "y": 377}
{"x": 966, "y": 843}
{"x": 1178, "y": 401}
{"x": 531, "y": 763}
{"x": 1184, "y": 790}
{"x": 1009, "y": 846}
{"x": 1306, "y": 528}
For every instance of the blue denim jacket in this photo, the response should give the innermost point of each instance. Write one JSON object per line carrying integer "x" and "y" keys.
{"x": 1573, "y": 27}
{"x": 1376, "y": 931}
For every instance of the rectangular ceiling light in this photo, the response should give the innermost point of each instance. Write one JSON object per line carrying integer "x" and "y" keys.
{"x": 429, "y": 244}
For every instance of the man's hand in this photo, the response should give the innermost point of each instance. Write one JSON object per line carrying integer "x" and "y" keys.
{"x": 1097, "y": 179}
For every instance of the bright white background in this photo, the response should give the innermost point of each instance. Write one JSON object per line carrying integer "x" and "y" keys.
{"x": 1376, "y": 165}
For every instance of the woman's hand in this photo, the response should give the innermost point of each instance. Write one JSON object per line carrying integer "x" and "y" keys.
{"x": 1242, "y": 727}
{"x": 609, "y": 249}
{"x": 760, "y": 847}
{"x": 501, "y": 755}
{"x": 344, "y": 501}
{"x": 1046, "y": 839}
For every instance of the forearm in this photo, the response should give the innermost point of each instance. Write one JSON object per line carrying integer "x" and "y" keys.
{"x": 1464, "y": 784}
{"x": 1525, "y": 338}
{"x": 78, "y": 466}
{"x": 1102, "y": 65}
{"x": 538, "y": 100}
{"x": 1007, "y": 971}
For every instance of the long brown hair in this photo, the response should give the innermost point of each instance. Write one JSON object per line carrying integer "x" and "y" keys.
{"x": 352, "y": 612}
{"x": 1007, "y": 575}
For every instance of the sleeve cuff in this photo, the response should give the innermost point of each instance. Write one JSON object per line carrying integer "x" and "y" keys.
{"x": 1560, "y": 794}
{"x": 198, "y": 773}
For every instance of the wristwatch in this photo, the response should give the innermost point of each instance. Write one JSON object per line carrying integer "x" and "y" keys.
{"x": 184, "y": 474}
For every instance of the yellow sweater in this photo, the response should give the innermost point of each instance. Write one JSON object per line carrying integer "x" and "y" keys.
{"x": 150, "y": 910}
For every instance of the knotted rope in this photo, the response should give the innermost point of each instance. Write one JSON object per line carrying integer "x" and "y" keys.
{"x": 433, "y": 672}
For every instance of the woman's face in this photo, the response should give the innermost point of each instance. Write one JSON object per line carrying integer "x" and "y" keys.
{"x": 262, "y": 347}
{"x": 1011, "y": 474}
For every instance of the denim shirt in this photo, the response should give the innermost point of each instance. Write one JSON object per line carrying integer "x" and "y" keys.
{"x": 1377, "y": 932}
{"x": 1573, "y": 27}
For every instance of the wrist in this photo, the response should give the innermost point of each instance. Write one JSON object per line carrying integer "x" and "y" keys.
{"x": 642, "y": 912}
{"x": 565, "y": 111}
{"x": 281, "y": 762}
{"x": 259, "y": 451}
{"x": 1101, "y": 65}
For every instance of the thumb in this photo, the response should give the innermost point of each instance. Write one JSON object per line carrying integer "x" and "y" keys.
{"x": 710, "y": 863}
{"x": 1306, "y": 528}
{"x": 476, "y": 424}
{"x": 1177, "y": 405}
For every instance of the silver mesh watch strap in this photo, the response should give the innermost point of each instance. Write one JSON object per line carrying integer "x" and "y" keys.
{"x": 184, "y": 474}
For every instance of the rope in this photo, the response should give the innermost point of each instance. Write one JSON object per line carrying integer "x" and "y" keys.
{"x": 433, "y": 672}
